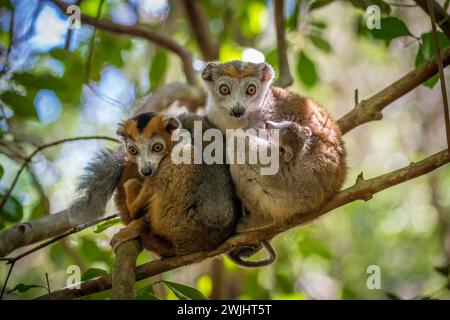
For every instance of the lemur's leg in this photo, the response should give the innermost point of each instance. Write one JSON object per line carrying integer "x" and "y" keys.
{"x": 292, "y": 137}
{"x": 132, "y": 231}
{"x": 254, "y": 222}
{"x": 135, "y": 198}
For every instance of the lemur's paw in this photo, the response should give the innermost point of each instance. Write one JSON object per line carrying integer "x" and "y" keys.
{"x": 119, "y": 238}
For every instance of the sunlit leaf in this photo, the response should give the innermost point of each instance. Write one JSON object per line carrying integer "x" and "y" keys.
{"x": 22, "y": 288}
{"x": 391, "y": 28}
{"x": 102, "y": 226}
{"x": 320, "y": 43}
{"x": 12, "y": 211}
{"x": 93, "y": 273}
{"x": 306, "y": 70}
{"x": 184, "y": 292}
{"x": 23, "y": 106}
{"x": 158, "y": 68}
{"x": 146, "y": 293}
{"x": 204, "y": 285}
{"x": 427, "y": 50}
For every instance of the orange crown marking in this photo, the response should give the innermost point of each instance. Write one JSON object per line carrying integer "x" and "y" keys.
{"x": 232, "y": 71}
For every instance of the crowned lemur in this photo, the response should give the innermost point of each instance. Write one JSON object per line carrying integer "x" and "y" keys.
{"x": 312, "y": 156}
{"x": 240, "y": 96}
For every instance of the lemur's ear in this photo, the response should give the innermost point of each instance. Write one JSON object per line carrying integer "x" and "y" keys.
{"x": 208, "y": 71}
{"x": 121, "y": 130}
{"x": 267, "y": 72}
{"x": 171, "y": 124}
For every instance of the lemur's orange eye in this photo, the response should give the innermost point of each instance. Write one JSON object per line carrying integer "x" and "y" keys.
{"x": 224, "y": 90}
{"x": 251, "y": 89}
{"x": 132, "y": 150}
{"x": 157, "y": 147}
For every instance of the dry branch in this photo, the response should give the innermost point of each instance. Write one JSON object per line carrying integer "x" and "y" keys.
{"x": 161, "y": 40}
{"x": 361, "y": 190}
{"x": 370, "y": 109}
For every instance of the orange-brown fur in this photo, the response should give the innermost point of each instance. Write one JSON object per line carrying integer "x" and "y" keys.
{"x": 170, "y": 211}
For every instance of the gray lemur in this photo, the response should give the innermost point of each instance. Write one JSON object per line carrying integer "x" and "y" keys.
{"x": 312, "y": 156}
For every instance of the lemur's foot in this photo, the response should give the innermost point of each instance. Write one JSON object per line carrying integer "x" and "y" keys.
{"x": 121, "y": 237}
{"x": 292, "y": 137}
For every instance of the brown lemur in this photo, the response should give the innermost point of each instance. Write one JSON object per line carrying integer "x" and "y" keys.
{"x": 312, "y": 164}
{"x": 175, "y": 209}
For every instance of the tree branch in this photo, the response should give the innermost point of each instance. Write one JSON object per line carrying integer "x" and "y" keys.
{"x": 370, "y": 109}
{"x": 199, "y": 27}
{"x": 39, "y": 149}
{"x": 163, "y": 41}
{"x": 190, "y": 96}
{"x": 441, "y": 70}
{"x": 443, "y": 19}
{"x": 285, "y": 77}
{"x": 124, "y": 275}
{"x": 361, "y": 190}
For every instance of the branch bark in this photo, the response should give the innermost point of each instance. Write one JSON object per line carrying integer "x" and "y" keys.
{"x": 163, "y": 41}
{"x": 442, "y": 18}
{"x": 370, "y": 109}
{"x": 361, "y": 190}
{"x": 285, "y": 77}
{"x": 124, "y": 275}
{"x": 199, "y": 27}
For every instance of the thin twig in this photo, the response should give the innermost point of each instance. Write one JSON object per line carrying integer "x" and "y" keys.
{"x": 285, "y": 77}
{"x": 161, "y": 40}
{"x": 6, "y": 280}
{"x": 39, "y": 149}
{"x": 92, "y": 44}
{"x": 441, "y": 70}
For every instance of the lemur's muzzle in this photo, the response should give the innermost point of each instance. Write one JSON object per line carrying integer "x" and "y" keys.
{"x": 238, "y": 111}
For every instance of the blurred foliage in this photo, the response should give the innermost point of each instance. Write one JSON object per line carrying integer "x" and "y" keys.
{"x": 47, "y": 92}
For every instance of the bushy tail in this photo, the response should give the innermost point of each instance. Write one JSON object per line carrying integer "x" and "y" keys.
{"x": 97, "y": 185}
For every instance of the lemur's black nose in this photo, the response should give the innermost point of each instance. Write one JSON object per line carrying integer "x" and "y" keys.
{"x": 238, "y": 111}
{"x": 146, "y": 171}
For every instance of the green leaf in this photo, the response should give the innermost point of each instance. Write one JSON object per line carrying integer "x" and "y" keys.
{"x": 391, "y": 28}
{"x": 12, "y": 211}
{"x": 102, "y": 226}
{"x": 23, "y": 106}
{"x": 184, "y": 292}
{"x": 38, "y": 211}
{"x": 306, "y": 70}
{"x": 93, "y": 273}
{"x": 392, "y": 296}
{"x": 6, "y": 4}
{"x": 158, "y": 68}
{"x": 22, "y": 288}
{"x": 363, "y": 4}
{"x": 42, "y": 81}
{"x": 2, "y": 171}
{"x": 146, "y": 293}
{"x": 320, "y": 43}
{"x": 444, "y": 270}
{"x": 427, "y": 50}
{"x": 319, "y": 4}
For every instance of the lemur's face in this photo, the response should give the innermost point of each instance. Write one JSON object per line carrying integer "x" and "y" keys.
{"x": 147, "y": 138}
{"x": 237, "y": 87}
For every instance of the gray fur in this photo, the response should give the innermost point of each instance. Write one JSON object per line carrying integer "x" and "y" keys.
{"x": 97, "y": 186}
